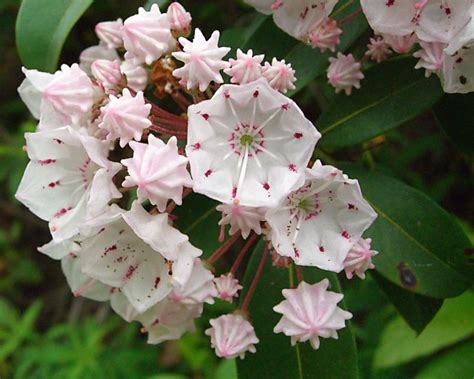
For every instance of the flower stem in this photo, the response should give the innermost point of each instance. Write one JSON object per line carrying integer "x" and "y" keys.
{"x": 224, "y": 248}
{"x": 343, "y": 21}
{"x": 243, "y": 252}
{"x": 256, "y": 278}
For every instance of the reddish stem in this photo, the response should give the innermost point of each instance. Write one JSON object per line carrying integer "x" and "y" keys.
{"x": 299, "y": 274}
{"x": 224, "y": 248}
{"x": 255, "y": 280}
{"x": 343, "y": 21}
{"x": 172, "y": 205}
{"x": 242, "y": 254}
{"x": 164, "y": 130}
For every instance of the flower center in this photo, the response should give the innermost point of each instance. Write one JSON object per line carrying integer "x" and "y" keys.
{"x": 246, "y": 140}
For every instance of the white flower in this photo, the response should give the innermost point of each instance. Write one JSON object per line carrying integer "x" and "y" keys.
{"x": 263, "y": 6}
{"x": 132, "y": 252}
{"x": 458, "y": 68}
{"x": 147, "y": 35}
{"x": 319, "y": 223}
{"x": 227, "y": 287}
{"x": 69, "y": 179}
{"x": 279, "y": 75}
{"x": 232, "y": 336}
{"x": 202, "y": 61}
{"x": 198, "y": 289}
{"x": 109, "y": 33}
{"x": 136, "y": 74}
{"x": 125, "y": 117}
{"x": 359, "y": 259}
{"x": 310, "y": 311}
{"x": 158, "y": 170}
{"x": 243, "y": 219}
{"x": 432, "y": 21}
{"x": 249, "y": 143}
{"x": 167, "y": 320}
{"x": 246, "y": 68}
{"x": 431, "y": 57}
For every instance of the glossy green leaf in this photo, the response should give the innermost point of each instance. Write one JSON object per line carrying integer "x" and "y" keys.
{"x": 456, "y": 363}
{"x": 42, "y": 27}
{"x": 455, "y": 115}
{"x": 422, "y": 248}
{"x": 275, "y": 357}
{"x": 399, "y": 344}
{"x": 416, "y": 310}
{"x": 198, "y": 218}
{"x": 391, "y": 94}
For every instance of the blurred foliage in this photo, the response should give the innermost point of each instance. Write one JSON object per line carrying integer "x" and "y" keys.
{"x": 45, "y": 333}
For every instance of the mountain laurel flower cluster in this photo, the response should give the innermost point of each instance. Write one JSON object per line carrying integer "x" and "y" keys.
{"x": 109, "y": 167}
{"x": 440, "y": 32}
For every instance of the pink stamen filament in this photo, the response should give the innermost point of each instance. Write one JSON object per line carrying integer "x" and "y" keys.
{"x": 256, "y": 278}
{"x": 88, "y": 285}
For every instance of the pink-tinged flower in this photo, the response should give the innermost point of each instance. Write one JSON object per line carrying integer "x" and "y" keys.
{"x": 241, "y": 218}
{"x": 344, "y": 73}
{"x": 432, "y": 21}
{"x": 135, "y": 73}
{"x": 109, "y": 33}
{"x": 309, "y": 312}
{"x": 81, "y": 284}
{"x": 167, "y": 320}
{"x": 138, "y": 253}
{"x": 299, "y": 17}
{"x": 158, "y": 170}
{"x": 227, "y": 287}
{"x": 147, "y": 35}
{"x": 246, "y": 68}
{"x": 179, "y": 19}
{"x": 107, "y": 73}
{"x": 202, "y": 61}
{"x": 69, "y": 94}
{"x": 249, "y": 143}
{"x": 400, "y": 44}
{"x": 318, "y": 224}
{"x": 325, "y": 36}
{"x": 359, "y": 259}
{"x": 93, "y": 53}
{"x": 280, "y": 75}
{"x": 280, "y": 261}
{"x": 198, "y": 289}
{"x": 125, "y": 117}
{"x": 69, "y": 179}
{"x": 458, "y": 68}
{"x": 232, "y": 336}
{"x": 431, "y": 57}
{"x": 378, "y": 50}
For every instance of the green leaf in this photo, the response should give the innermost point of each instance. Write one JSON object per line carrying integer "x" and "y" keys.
{"x": 198, "y": 218}
{"x": 399, "y": 344}
{"x": 455, "y": 115}
{"x": 42, "y": 27}
{"x": 456, "y": 363}
{"x": 275, "y": 357}
{"x": 416, "y": 310}
{"x": 422, "y": 248}
{"x": 391, "y": 94}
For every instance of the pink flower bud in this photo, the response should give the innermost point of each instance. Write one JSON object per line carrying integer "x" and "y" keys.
{"x": 246, "y": 68}
{"x": 227, "y": 287}
{"x": 179, "y": 19}
{"x": 378, "y": 50}
{"x": 431, "y": 57}
{"x": 232, "y": 336}
{"x": 109, "y": 33}
{"x": 135, "y": 73}
{"x": 280, "y": 75}
{"x": 325, "y": 35}
{"x": 400, "y": 44}
{"x": 107, "y": 73}
{"x": 344, "y": 73}
{"x": 241, "y": 218}
{"x": 359, "y": 259}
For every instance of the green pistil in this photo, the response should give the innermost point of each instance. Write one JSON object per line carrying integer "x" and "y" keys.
{"x": 246, "y": 140}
